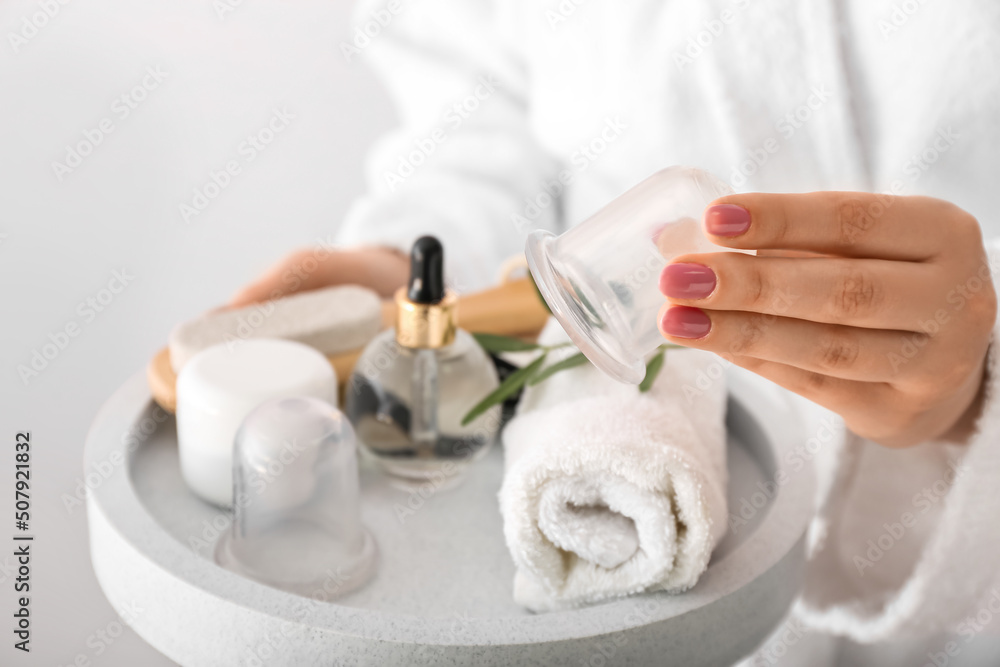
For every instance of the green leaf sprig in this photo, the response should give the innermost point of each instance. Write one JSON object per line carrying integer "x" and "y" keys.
{"x": 516, "y": 380}
{"x": 572, "y": 361}
{"x": 653, "y": 368}
{"x": 534, "y": 373}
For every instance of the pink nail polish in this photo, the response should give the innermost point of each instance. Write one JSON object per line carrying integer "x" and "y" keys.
{"x": 726, "y": 220}
{"x": 686, "y": 280}
{"x": 686, "y": 322}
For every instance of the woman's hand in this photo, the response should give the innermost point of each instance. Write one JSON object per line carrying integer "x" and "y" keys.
{"x": 381, "y": 269}
{"x": 887, "y": 325}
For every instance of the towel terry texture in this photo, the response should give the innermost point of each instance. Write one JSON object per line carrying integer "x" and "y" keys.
{"x": 609, "y": 491}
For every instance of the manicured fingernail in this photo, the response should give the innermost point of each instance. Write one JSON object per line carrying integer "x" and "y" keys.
{"x": 687, "y": 281}
{"x": 726, "y": 220}
{"x": 686, "y": 322}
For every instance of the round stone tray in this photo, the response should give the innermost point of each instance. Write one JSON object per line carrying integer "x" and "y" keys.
{"x": 442, "y": 593}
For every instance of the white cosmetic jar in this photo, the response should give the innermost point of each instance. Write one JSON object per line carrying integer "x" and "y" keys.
{"x": 219, "y": 387}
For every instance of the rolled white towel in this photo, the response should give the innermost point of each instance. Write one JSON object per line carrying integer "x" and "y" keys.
{"x": 331, "y": 319}
{"x": 610, "y": 492}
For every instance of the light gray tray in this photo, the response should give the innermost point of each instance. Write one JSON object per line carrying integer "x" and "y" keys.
{"x": 442, "y": 594}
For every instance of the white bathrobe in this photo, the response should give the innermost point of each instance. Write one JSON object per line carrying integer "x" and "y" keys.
{"x": 525, "y": 114}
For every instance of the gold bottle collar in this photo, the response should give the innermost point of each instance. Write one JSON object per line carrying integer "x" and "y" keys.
{"x": 426, "y": 325}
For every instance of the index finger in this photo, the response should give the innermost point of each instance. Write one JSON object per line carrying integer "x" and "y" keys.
{"x": 849, "y": 224}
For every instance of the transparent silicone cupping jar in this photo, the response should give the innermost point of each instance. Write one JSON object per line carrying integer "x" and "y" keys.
{"x": 297, "y": 520}
{"x": 600, "y": 279}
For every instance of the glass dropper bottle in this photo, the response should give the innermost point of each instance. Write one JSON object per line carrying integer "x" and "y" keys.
{"x": 414, "y": 383}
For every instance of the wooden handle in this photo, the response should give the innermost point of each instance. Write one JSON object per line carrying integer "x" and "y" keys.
{"x": 511, "y": 309}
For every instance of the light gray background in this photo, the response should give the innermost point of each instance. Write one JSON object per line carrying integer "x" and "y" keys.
{"x": 61, "y": 241}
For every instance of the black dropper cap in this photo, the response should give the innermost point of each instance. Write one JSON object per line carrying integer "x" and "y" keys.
{"x": 426, "y": 271}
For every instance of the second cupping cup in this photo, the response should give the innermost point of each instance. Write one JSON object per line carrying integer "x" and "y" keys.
{"x": 600, "y": 279}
